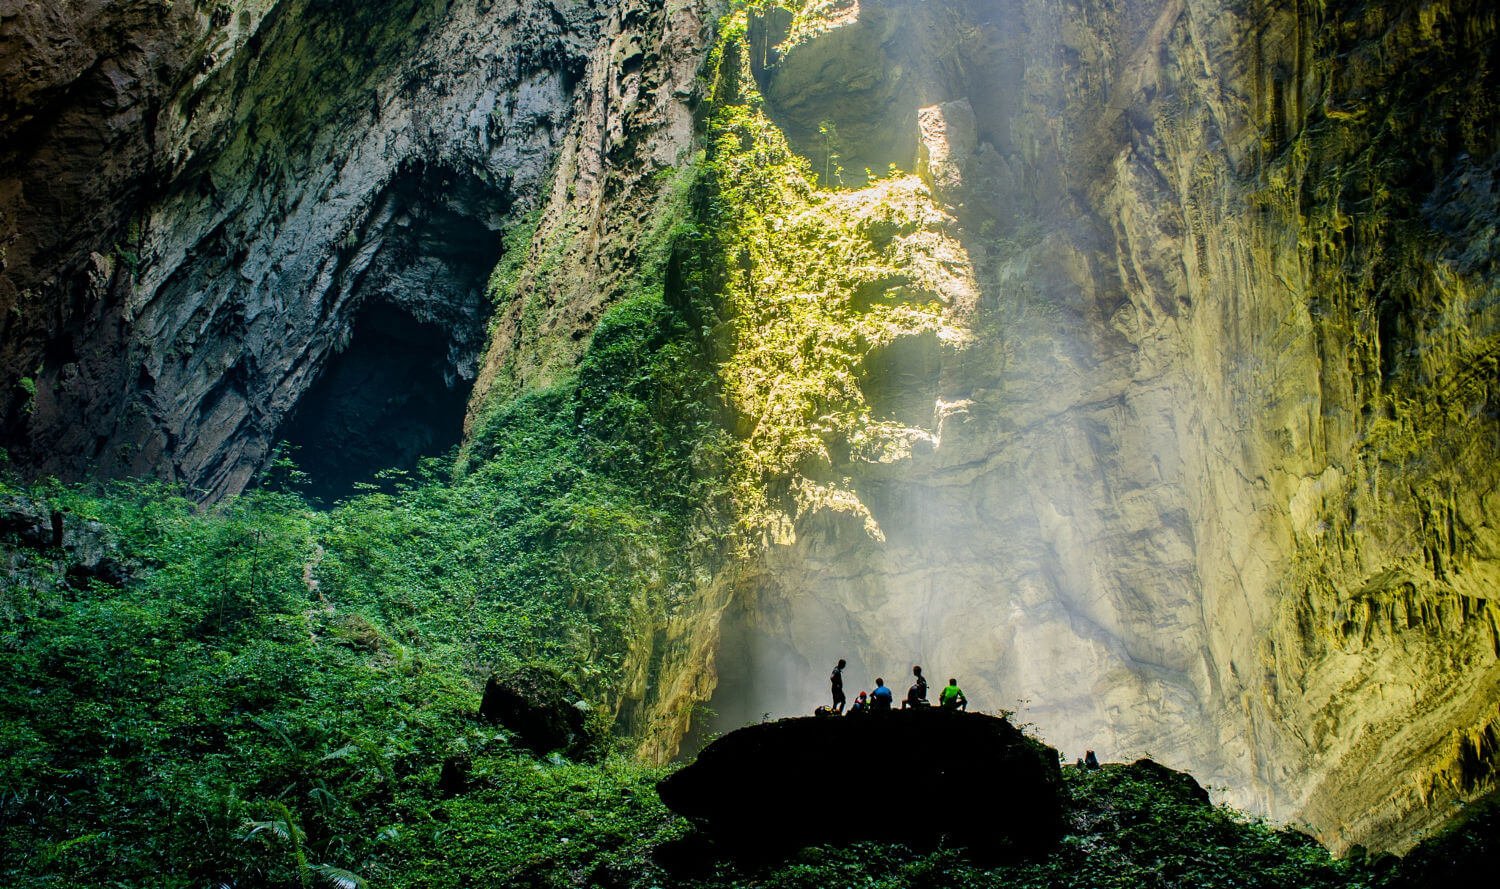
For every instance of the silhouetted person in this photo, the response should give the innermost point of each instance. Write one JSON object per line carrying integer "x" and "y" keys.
{"x": 836, "y": 678}
{"x": 1090, "y": 761}
{"x": 861, "y": 705}
{"x": 916, "y": 696}
{"x": 881, "y": 698}
{"x": 952, "y": 697}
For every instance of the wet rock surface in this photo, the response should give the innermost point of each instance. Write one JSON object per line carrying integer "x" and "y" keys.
{"x": 911, "y": 777}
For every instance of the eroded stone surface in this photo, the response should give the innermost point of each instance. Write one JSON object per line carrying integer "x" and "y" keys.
{"x": 201, "y": 203}
{"x": 1213, "y": 477}
{"x": 1222, "y": 488}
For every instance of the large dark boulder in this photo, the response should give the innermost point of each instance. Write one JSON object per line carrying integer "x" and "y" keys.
{"x": 913, "y": 777}
{"x": 542, "y": 709}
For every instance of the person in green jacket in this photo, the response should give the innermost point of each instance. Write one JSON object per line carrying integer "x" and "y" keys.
{"x": 953, "y": 698}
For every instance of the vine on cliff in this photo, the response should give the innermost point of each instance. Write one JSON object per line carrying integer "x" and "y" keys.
{"x": 813, "y": 281}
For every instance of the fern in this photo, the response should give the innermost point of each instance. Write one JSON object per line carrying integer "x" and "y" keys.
{"x": 338, "y": 878}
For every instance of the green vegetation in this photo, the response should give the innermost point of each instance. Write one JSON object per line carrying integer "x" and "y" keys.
{"x": 223, "y": 719}
{"x": 278, "y": 690}
{"x": 28, "y": 385}
{"x": 1128, "y": 831}
{"x": 811, "y": 282}
{"x": 271, "y": 700}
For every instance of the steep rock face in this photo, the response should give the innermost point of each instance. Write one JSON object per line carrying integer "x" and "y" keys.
{"x": 1184, "y": 433}
{"x": 204, "y": 206}
{"x": 605, "y": 213}
{"x": 1214, "y": 477}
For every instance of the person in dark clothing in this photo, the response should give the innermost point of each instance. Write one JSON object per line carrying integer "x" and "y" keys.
{"x": 1090, "y": 761}
{"x": 881, "y": 698}
{"x": 837, "y": 679}
{"x": 916, "y": 696}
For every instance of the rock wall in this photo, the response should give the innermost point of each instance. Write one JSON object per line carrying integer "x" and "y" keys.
{"x": 1194, "y": 453}
{"x": 201, "y": 200}
{"x": 1213, "y": 480}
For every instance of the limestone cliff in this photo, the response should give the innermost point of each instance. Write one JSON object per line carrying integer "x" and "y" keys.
{"x": 204, "y": 205}
{"x": 1185, "y": 439}
{"x": 1132, "y": 361}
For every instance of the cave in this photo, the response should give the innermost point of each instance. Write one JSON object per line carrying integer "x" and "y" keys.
{"x": 385, "y": 402}
{"x": 415, "y": 275}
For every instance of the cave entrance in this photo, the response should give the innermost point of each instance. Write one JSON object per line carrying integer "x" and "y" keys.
{"x": 385, "y": 402}
{"x": 413, "y": 275}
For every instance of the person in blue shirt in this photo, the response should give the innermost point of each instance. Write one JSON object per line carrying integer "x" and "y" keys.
{"x": 881, "y": 698}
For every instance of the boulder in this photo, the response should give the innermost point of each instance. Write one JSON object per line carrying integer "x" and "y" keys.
{"x": 1182, "y": 785}
{"x": 914, "y": 777}
{"x": 543, "y": 710}
{"x": 89, "y": 549}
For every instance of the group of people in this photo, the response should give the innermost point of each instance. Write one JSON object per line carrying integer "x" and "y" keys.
{"x": 882, "y": 699}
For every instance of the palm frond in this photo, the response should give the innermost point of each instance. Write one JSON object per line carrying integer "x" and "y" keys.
{"x": 338, "y": 878}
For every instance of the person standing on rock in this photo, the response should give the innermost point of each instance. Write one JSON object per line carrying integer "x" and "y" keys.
{"x": 836, "y": 678}
{"x": 916, "y": 696}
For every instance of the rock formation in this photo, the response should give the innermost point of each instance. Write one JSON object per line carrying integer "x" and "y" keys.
{"x": 913, "y": 777}
{"x": 204, "y": 205}
{"x": 1214, "y": 477}
{"x": 542, "y": 709}
{"x": 1167, "y": 403}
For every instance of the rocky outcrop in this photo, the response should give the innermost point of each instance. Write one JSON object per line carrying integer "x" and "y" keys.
{"x": 913, "y": 777}
{"x": 1206, "y": 467}
{"x": 601, "y": 229}
{"x": 61, "y": 545}
{"x": 204, "y": 205}
{"x": 542, "y": 709}
{"x": 1184, "y": 433}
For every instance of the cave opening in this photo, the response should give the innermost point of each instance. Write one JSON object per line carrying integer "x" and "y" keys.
{"x": 385, "y": 402}
{"x": 394, "y": 385}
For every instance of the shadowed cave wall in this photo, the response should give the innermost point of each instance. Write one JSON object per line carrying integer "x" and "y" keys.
{"x": 1206, "y": 468}
{"x": 199, "y": 203}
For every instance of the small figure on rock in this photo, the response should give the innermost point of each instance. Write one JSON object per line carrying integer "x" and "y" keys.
{"x": 952, "y": 697}
{"x": 861, "y": 705}
{"x": 837, "y": 680}
{"x": 881, "y": 698}
{"x": 916, "y": 696}
{"x": 1090, "y": 761}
